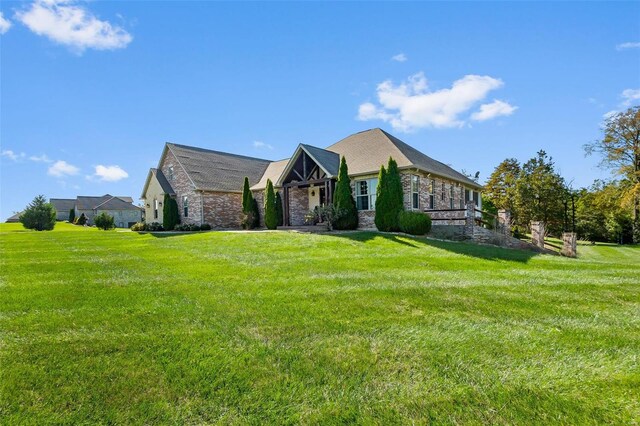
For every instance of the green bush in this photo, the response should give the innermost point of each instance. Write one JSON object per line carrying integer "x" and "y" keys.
{"x": 104, "y": 221}
{"x": 345, "y": 205}
{"x": 414, "y": 223}
{"x": 39, "y": 215}
{"x": 153, "y": 227}
{"x": 279, "y": 209}
{"x": 205, "y": 227}
{"x": 187, "y": 227}
{"x": 389, "y": 198}
{"x": 72, "y": 215}
{"x": 170, "y": 215}
{"x": 80, "y": 220}
{"x": 270, "y": 214}
{"x": 250, "y": 209}
{"x": 140, "y": 226}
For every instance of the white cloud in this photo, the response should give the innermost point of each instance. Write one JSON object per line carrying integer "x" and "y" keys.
{"x": 110, "y": 173}
{"x": 494, "y": 109}
{"x": 13, "y": 156}
{"x": 609, "y": 114}
{"x": 629, "y": 96}
{"x": 4, "y": 24}
{"x": 41, "y": 159}
{"x": 411, "y": 105}
{"x": 400, "y": 57}
{"x": 262, "y": 145}
{"x": 61, "y": 168}
{"x": 628, "y": 45}
{"x": 65, "y": 22}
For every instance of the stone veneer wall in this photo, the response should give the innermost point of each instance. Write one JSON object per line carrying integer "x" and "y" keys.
{"x": 222, "y": 209}
{"x": 182, "y": 186}
{"x": 366, "y": 219}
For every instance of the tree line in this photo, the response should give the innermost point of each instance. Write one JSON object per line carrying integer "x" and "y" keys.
{"x": 604, "y": 211}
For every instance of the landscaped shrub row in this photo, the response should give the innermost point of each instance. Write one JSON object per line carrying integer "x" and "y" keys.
{"x": 414, "y": 223}
{"x": 156, "y": 227}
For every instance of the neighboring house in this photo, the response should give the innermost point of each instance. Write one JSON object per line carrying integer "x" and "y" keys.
{"x": 63, "y": 206}
{"x": 124, "y": 212}
{"x": 208, "y": 184}
{"x": 14, "y": 218}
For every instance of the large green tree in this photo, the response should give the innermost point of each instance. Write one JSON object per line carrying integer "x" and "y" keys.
{"x": 345, "y": 205}
{"x": 270, "y": 213}
{"x": 500, "y": 188}
{"x": 39, "y": 215}
{"x": 540, "y": 193}
{"x": 389, "y": 198}
{"x": 170, "y": 215}
{"x": 620, "y": 150}
{"x": 600, "y": 215}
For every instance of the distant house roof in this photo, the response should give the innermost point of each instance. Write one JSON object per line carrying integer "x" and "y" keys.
{"x": 13, "y": 219}
{"x": 104, "y": 202}
{"x": 162, "y": 180}
{"x": 63, "y": 204}
{"x": 218, "y": 171}
{"x": 366, "y": 151}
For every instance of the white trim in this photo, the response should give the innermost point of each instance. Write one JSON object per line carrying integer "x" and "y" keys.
{"x": 292, "y": 161}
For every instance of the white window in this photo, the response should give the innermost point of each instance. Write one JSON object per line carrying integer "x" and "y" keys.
{"x": 366, "y": 194}
{"x": 415, "y": 192}
{"x": 451, "y": 193}
{"x": 185, "y": 206}
{"x": 170, "y": 174}
{"x": 155, "y": 209}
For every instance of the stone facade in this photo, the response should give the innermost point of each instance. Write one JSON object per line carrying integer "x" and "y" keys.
{"x": 222, "y": 210}
{"x": 366, "y": 219}
{"x": 537, "y": 234}
{"x": 183, "y": 187}
{"x": 569, "y": 244}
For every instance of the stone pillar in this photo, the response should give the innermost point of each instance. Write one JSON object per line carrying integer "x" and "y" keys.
{"x": 504, "y": 220}
{"x": 470, "y": 218}
{"x": 569, "y": 244}
{"x": 537, "y": 234}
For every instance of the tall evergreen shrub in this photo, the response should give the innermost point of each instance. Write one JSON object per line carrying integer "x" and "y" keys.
{"x": 345, "y": 205}
{"x": 170, "y": 215}
{"x": 250, "y": 211}
{"x": 279, "y": 209}
{"x": 389, "y": 198}
{"x": 72, "y": 215}
{"x": 270, "y": 214}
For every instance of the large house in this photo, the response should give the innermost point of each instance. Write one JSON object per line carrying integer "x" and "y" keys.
{"x": 124, "y": 212}
{"x": 207, "y": 184}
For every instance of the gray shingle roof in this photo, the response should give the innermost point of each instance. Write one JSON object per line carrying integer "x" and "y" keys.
{"x": 329, "y": 161}
{"x": 366, "y": 151}
{"x": 162, "y": 180}
{"x": 63, "y": 204}
{"x": 84, "y": 202}
{"x": 218, "y": 171}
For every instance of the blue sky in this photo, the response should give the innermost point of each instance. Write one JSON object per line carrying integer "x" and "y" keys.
{"x": 90, "y": 91}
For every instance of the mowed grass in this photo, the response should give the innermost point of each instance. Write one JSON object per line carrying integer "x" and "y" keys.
{"x": 277, "y": 327}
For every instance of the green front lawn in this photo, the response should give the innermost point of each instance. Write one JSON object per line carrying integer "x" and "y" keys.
{"x": 279, "y": 327}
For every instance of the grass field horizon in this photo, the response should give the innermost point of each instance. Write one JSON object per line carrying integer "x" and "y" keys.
{"x": 280, "y": 327}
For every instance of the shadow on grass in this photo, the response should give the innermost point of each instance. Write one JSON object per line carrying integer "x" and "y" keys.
{"x": 487, "y": 252}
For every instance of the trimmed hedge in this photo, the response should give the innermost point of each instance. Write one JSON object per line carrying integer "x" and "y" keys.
{"x": 414, "y": 223}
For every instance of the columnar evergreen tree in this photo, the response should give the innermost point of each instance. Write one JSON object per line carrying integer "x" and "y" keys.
{"x": 270, "y": 214}
{"x": 247, "y": 197}
{"x": 382, "y": 194}
{"x": 345, "y": 205}
{"x": 389, "y": 198}
{"x": 170, "y": 215}
{"x": 39, "y": 215}
{"x": 279, "y": 209}
{"x": 72, "y": 215}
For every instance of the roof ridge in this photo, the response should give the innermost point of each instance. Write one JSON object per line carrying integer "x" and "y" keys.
{"x": 196, "y": 148}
